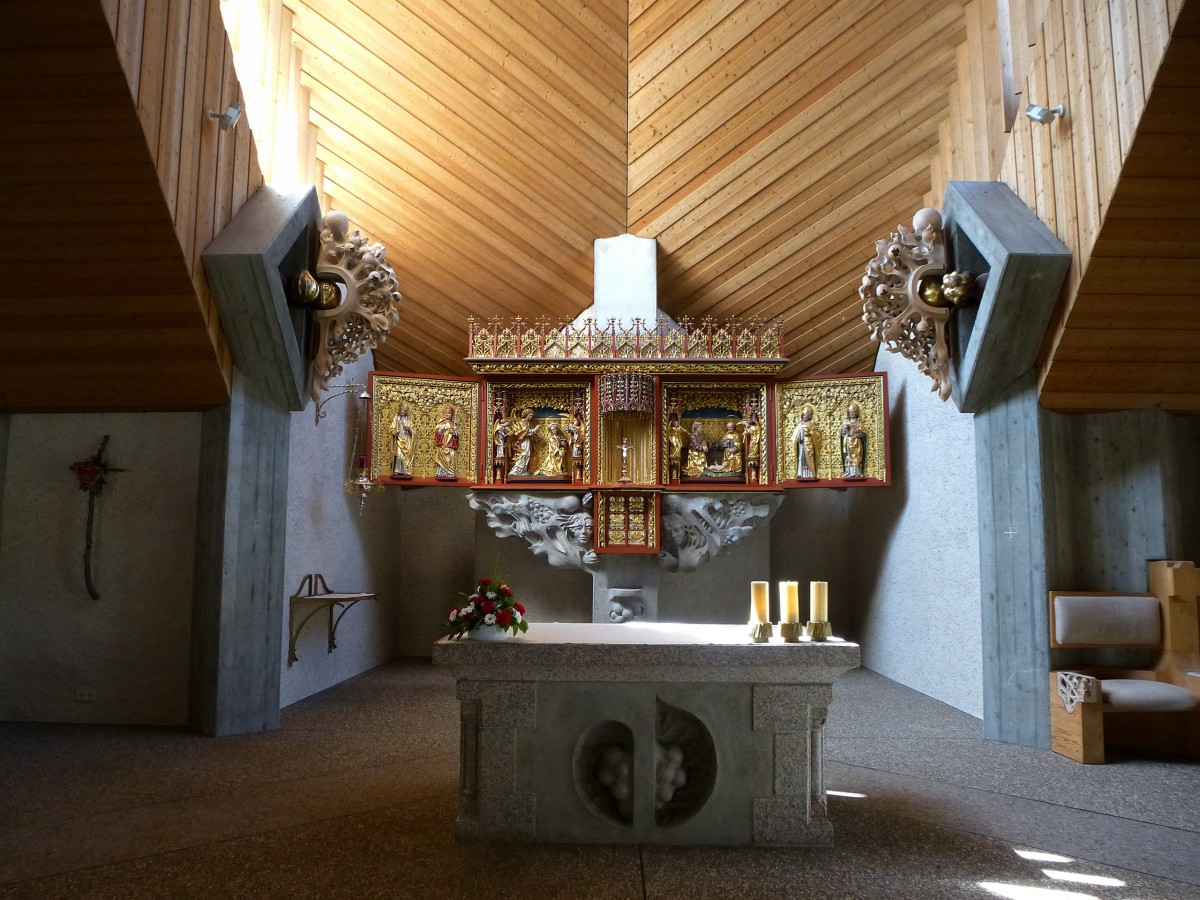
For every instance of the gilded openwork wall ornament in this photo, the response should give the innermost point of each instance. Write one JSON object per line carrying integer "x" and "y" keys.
{"x": 369, "y": 305}
{"x": 908, "y": 296}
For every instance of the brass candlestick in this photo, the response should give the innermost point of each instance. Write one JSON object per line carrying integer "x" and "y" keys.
{"x": 790, "y": 632}
{"x": 819, "y": 631}
{"x": 760, "y": 632}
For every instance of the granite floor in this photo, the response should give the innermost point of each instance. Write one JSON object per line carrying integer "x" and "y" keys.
{"x": 355, "y": 797}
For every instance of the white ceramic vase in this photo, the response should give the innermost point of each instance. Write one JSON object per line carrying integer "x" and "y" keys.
{"x": 489, "y": 633}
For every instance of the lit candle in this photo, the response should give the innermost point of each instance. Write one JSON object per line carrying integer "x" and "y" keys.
{"x": 791, "y": 602}
{"x": 818, "y": 599}
{"x": 758, "y": 602}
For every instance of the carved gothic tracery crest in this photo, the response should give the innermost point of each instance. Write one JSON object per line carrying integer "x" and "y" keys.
{"x": 908, "y": 295}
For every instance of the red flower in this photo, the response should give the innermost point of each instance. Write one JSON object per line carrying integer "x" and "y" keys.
{"x": 503, "y": 617}
{"x": 487, "y": 606}
{"x": 506, "y": 591}
{"x": 484, "y": 581}
{"x": 467, "y": 615}
{"x": 519, "y": 608}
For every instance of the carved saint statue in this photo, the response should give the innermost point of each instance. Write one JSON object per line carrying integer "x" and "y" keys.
{"x": 501, "y": 430}
{"x": 577, "y": 437}
{"x": 552, "y": 462}
{"x": 402, "y": 443}
{"x": 806, "y": 443}
{"x": 445, "y": 442}
{"x": 731, "y": 450}
{"x": 524, "y": 431}
{"x": 697, "y": 451}
{"x": 752, "y": 444}
{"x": 677, "y": 439}
{"x": 854, "y": 444}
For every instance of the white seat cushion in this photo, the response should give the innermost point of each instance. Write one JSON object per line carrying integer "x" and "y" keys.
{"x": 1137, "y": 695}
{"x": 1106, "y": 621}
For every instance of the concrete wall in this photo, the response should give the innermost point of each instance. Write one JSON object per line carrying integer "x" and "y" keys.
{"x": 810, "y": 542}
{"x": 131, "y": 646}
{"x": 912, "y": 550}
{"x": 326, "y": 534}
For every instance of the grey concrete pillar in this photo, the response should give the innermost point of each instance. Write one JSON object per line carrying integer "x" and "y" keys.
{"x": 1013, "y": 566}
{"x": 238, "y": 585}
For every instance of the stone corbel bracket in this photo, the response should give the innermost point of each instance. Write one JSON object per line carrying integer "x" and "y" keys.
{"x": 558, "y": 528}
{"x": 697, "y": 527}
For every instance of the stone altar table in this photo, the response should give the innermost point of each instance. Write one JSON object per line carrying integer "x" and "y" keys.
{"x": 655, "y": 733}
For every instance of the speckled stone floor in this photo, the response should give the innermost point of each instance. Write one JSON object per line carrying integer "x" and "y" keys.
{"x": 355, "y": 797}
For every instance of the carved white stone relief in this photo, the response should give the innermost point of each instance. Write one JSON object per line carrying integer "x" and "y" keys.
{"x": 1074, "y": 688}
{"x": 697, "y": 527}
{"x": 370, "y": 301}
{"x": 908, "y": 296}
{"x": 558, "y": 528}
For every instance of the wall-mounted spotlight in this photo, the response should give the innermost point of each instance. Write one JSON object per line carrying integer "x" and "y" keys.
{"x": 1043, "y": 115}
{"x": 227, "y": 119}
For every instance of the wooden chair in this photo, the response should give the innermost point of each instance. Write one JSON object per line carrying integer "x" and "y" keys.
{"x": 1135, "y": 681}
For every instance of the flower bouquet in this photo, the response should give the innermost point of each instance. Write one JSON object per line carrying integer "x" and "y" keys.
{"x": 490, "y": 610}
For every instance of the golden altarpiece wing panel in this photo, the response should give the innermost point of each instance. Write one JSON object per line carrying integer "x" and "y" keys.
{"x": 537, "y": 432}
{"x": 714, "y": 434}
{"x": 832, "y": 432}
{"x": 424, "y": 429}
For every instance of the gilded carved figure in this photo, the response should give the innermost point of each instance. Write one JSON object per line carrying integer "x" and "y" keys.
{"x": 501, "y": 431}
{"x": 752, "y": 444}
{"x": 402, "y": 443}
{"x": 445, "y": 442}
{"x": 697, "y": 451}
{"x": 524, "y": 431}
{"x": 677, "y": 440}
{"x": 854, "y": 444}
{"x": 577, "y": 437}
{"x": 552, "y": 464}
{"x": 731, "y": 451}
{"x": 806, "y": 442}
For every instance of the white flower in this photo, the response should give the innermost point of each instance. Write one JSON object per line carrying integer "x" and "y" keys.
{"x": 489, "y": 619}
{"x": 517, "y": 617}
{"x": 469, "y": 608}
{"x": 492, "y": 595}
{"x": 475, "y": 597}
{"x": 453, "y": 614}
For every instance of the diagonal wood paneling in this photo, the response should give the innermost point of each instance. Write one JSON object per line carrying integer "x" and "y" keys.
{"x": 766, "y": 145}
{"x": 78, "y": 180}
{"x": 482, "y": 143}
{"x": 772, "y": 143}
{"x": 1117, "y": 180}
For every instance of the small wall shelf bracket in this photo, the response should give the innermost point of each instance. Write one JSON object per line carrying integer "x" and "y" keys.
{"x": 313, "y": 590}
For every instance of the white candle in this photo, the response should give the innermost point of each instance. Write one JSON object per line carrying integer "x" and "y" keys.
{"x": 818, "y": 601}
{"x": 789, "y": 601}
{"x": 759, "y": 591}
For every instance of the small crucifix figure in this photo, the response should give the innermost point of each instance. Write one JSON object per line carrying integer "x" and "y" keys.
{"x": 1010, "y": 532}
{"x": 624, "y": 479}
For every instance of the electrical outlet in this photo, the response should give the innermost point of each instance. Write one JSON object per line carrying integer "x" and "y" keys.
{"x": 85, "y": 695}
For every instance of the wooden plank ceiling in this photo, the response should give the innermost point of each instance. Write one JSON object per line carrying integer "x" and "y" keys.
{"x": 99, "y": 308}
{"x": 1132, "y": 335}
{"x": 766, "y": 144}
